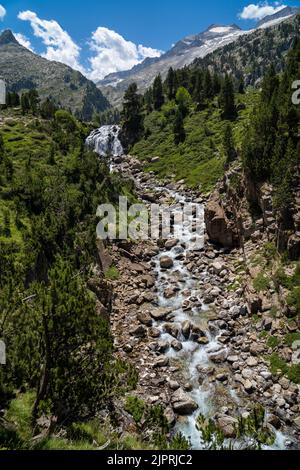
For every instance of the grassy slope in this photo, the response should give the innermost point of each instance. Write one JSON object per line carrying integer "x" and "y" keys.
{"x": 24, "y": 137}
{"x": 199, "y": 160}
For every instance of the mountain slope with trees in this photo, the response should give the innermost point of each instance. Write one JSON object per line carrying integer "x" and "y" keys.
{"x": 23, "y": 70}
{"x": 251, "y": 56}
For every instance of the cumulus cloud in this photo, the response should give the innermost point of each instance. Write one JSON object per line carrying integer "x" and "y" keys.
{"x": 23, "y": 40}
{"x": 2, "y": 12}
{"x": 60, "y": 46}
{"x": 260, "y": 10}
{"x": 113, "y": 53}
{"x": 109, "y": 51}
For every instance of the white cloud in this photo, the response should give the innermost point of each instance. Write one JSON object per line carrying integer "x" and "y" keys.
{"x": 260, "y": 10}
{"x": 2, "y": 12}
{"x": 114, "y": 53}
{"x": 60, "y": 46}
{"x": 23, "y": 40}
{"x": 110, "y": 51}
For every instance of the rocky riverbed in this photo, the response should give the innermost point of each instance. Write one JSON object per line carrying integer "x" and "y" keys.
{"x": 194, "y": 334}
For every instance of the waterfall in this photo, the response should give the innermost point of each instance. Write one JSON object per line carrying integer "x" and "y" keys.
{"x": 105, "y": 141}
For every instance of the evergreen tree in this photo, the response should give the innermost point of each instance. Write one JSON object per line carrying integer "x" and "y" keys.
{"x": 34, "y": 100}
{"x": 241, "y": 88}
{"x": 132, "y": 117}
{"x": 158, "y": 96}
{"x": 208, "y": 85}
{"x": 170, "y": 82}
{"x": 227, "y": 99}
{"x": 25, "y": 104}
{"x": 179, "y": 132}
{"x": 148, "y": 100}
{"x": 183, "y": 100}
{"x": 48, "y": 109}
{"x": 228, "y": 145}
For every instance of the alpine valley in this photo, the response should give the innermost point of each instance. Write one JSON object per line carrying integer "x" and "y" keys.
{"x": 187, "y": 339}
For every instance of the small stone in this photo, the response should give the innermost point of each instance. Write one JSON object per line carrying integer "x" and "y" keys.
{"x": 174, "y": 385}
{"x": 248, "y": 385}
{"x": 144, "y": 318}
{"x": 161, "y": 362}
{"x": 166, "y": 262}
{"x": 176, "y": 345}
{"x": 138, "y": 332}
{"x": 252, "y": 362}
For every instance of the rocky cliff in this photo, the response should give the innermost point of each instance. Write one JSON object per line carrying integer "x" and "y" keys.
{"x": 240, "y": 210}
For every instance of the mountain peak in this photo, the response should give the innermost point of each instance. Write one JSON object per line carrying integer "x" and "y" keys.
{"x": 221, "y": 29}
{"x": 7, "y": 37}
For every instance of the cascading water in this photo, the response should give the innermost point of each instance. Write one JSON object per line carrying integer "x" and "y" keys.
{"x": 105, "y": 141}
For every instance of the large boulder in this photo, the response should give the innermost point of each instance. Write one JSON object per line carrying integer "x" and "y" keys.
{"x": 218, "y": 226}
{"x": 182, "y": 403}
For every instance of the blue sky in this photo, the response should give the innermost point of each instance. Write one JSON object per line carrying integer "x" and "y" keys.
{"x": 99, "y": 36}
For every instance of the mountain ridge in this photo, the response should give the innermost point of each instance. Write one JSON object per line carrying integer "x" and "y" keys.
{"x": 23, "y": 70}
{"x": 183, "y": 53}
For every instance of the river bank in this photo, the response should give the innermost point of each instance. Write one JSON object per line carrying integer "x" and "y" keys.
{"x": 186, "y": 326}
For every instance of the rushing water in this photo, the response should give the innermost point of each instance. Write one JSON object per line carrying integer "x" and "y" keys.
{"x": 193, "y": 355}
{"x": 105, "y": 141}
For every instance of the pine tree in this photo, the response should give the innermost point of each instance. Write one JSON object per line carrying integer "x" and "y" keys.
{"x": 241, "y": 88}
{"x": 148, "y": 100}
{"x": 170, "y": 82}
{"x": 228, "y": 145}
{"x": 227, "y": 99}
{"x": 158, "y": 96}
{"x": 208, "y": 85}
{"x": 179, "y": 132}
{"x": 132, "y": 118}
{"x": 25, "y": 104}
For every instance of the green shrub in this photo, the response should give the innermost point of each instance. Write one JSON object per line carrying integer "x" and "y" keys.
{"x": 261, "y": 283}
{"x": 112, "y": 273}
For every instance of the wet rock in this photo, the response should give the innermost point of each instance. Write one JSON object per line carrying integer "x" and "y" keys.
{"x": 171, "y": 244}
{"x": 222, "y": 377}
{"x": 274, "y": 421}
{"x": 203, "y": 340}
{"x": 145, "y": 318}
{"x": 171, "y": 329}
{"x": 182, "y": 403}
{"x": 166, "y": 262}
{"x": 188, "y": 387}
{"x": 196, "y": 333}
{"x": 154, "y": 333}
{"x": 160, "y": 313}
{"x": 218, "y": 357}
{"x": 186, "y": 329}
{"x": 170, "y": 292}
{"x": 176, "y": 345}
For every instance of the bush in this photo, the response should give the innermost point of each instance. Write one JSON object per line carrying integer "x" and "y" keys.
{"x": 261, "y": 283}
